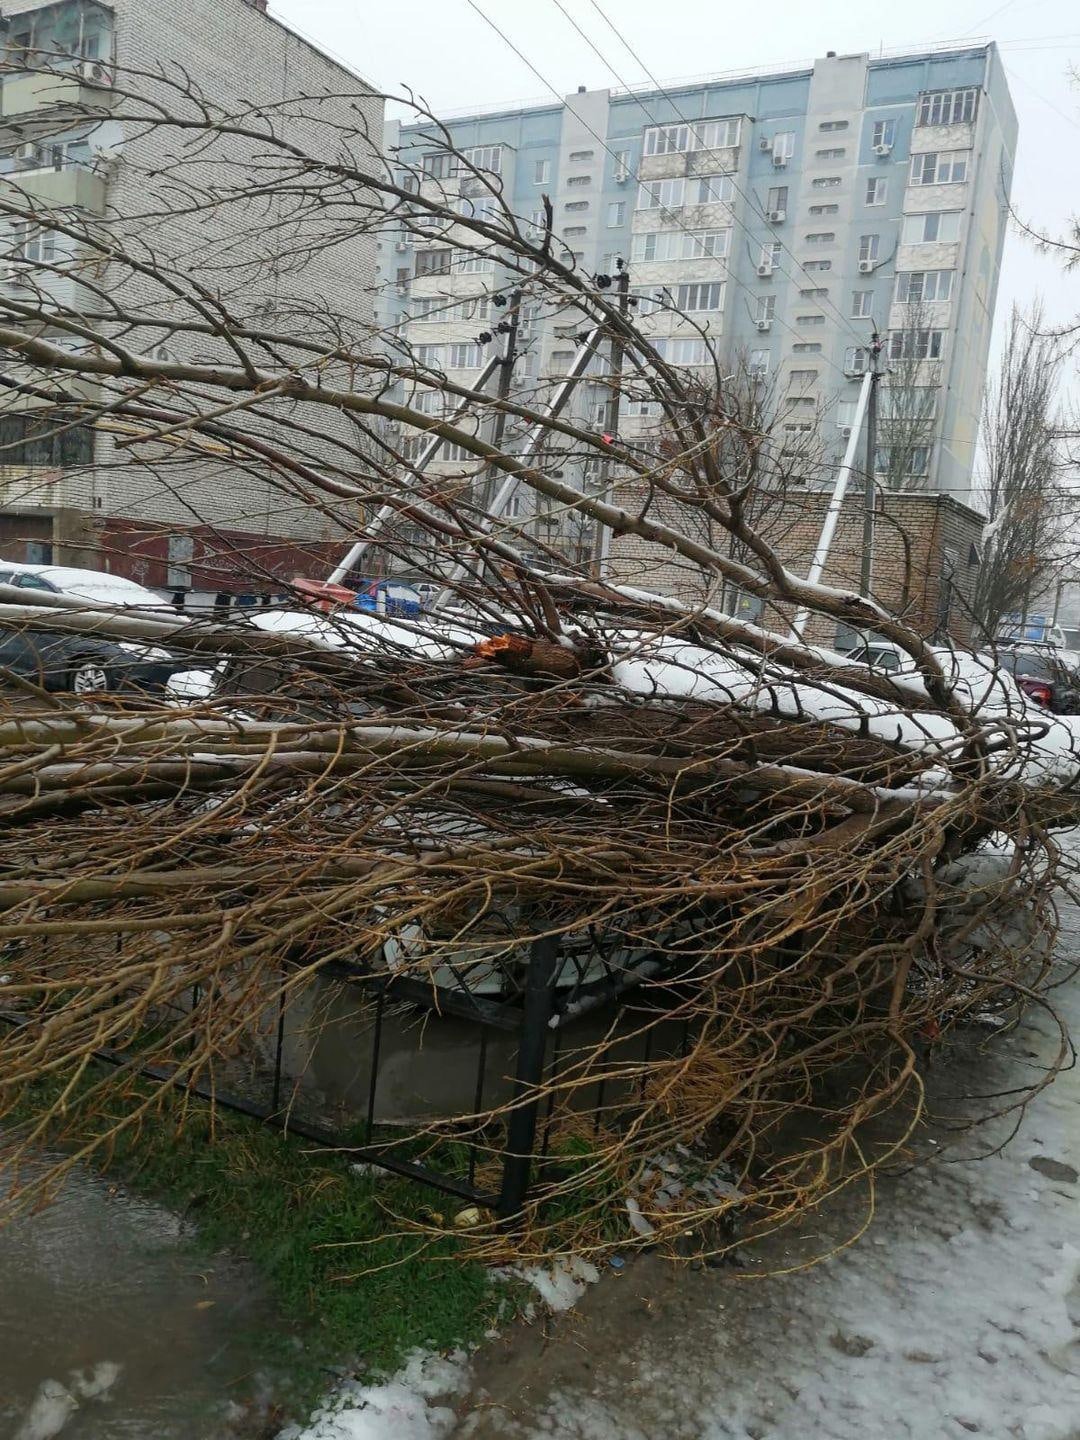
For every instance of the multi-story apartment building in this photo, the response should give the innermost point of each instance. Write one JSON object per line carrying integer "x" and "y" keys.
{"x": 72, "y": 494}
{"x": 792, "y": 212}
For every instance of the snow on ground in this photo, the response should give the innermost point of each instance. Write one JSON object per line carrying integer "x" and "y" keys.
{"x": 956, "y": 1314}
{"x": 410, "y": 1406}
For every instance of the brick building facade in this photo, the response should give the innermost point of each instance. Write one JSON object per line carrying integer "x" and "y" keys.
{"x": 926, "y": 554}
{"x": 93, "y": 500}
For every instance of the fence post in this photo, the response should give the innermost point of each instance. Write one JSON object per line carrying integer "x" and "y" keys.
{"x": 532, "y": 1047}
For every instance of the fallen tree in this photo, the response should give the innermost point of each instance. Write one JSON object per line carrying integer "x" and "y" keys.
{"x": 784, "y": 851}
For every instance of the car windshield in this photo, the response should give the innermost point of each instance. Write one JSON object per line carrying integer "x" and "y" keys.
{"x": 1034, "y": 667}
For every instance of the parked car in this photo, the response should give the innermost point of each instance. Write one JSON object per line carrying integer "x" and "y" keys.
{"x": 82, "y": 664}
{"x": 879, "y": 656}
{"x": 1044, "y": 677}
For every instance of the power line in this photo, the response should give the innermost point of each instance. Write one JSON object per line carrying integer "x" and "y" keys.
{"x": 605, "y": 146}
{"x": 844, "y": 320}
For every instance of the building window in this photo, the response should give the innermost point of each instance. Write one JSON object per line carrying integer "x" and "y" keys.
{"x": 439, "y": 166}
{"x": 541, "y": 172}
{"x": 706, "y": 244}
{"x": 433, "y": 262}
{"x": 806, "y": 320}
{"x": 833, "y": 154}
{"x": 814, "y": 294}
{"x": 915, "y": 286}
{"x": 877, "y": 188}
{"x": 916, "y": 344}
{"x": 799, "y": 378}
{"x": 868, "y": 248}
{"x": 713, "y": 189}
{"x": 948, "y": 107}
{"x": 576, "y": 205}
{"x": 862, "y": 304}
{"x": 856, "y": 359}
{"x": 700, "y": 297}
{"x": 622, "y": 164}
{"x": 942, "y": 226}
{"x": 576, "y": 230}
{"x": 689, "y": 352}
{"x": 484, "y": 157}
{"x": 474, "y": 265}
{"x": 833, "y": 125}
{"x": 561, "y": 360}
{"x": 824, "y": 209}
{"x": 429, "y": 356}
{"x": 907, "y": 402}
{"x": 766, "y": 309}
{"x": 32, "y": 243}
{"x": 758, "y": 364}
{"x": 770, "y": 254}
{"x": 578, "y": 180}
{"x": 576, "y": 155}
{"x": 817, "y": 265}
{"x": 825, "y": 182}
{"x": 661, "y": 194}
{"x": 466, "y": 357}
{"x": 806, "y": 348}
{"x": 912, "y": 461}
{"x": 777, "y": 199}
{"x": 702, "y": 135}
{"x": 948, "y": 167}
{"x": 884, "y": 133}
{"x": 820, "y": 237}
{"x": 616, "y": 213}
{"x": 783, "y": 145}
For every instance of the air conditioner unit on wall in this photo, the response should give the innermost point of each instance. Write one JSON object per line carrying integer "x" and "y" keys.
{"x": 29, "y": 151}
{"x": 764, "y": 143}
{"x": 764, "y": 324}
{"x": 764, "y": 269}
{"x": 779, "y": 162}
{"x": 882, "y": 150}
{"x": 845, "y": 432}
{"x": 777, "y": 217}
{"x": 866, "y": 267}
{"x": 94, "y": 72}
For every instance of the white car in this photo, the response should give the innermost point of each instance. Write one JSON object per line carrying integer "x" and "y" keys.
{"x": 100, "y": 587}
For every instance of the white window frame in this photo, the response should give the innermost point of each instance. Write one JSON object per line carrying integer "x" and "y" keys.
{"x": 783, "y": 145}
{"x": 948, "y": 107}
{"x": 688, "y": 350}
{"x": 877, "y": 190}
{"x": 766, "y": 308}
{"x": 862, "y": 304}
{"x": 884, "y": 132}
{"x": 716, "y": 189}
{"x": 616, "y": 214}
{"x": 465, "y": 355}
{"x": 915, "y": 287}
{"x": 869, "y": 247}
{"x": 697, "y": 296}
{"x": 924, "y": 343}
{"x": 706, "y": 244}
{"x": 939, "y": 167}
{"x": 484, "y": 157}
{"x": 542, "y": 172}
{"x": 661, "y": 194}
{"x": 931, "y": 215}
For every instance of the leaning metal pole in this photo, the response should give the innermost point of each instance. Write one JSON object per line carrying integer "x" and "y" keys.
{"x": 424, "y": 459}
{"x": 534, "y": 436}
{"x": 832, "y": 515}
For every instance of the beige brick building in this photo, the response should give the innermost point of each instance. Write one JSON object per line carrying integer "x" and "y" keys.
{"x": 926, "y": 553}
{"x": 84, "y": 500}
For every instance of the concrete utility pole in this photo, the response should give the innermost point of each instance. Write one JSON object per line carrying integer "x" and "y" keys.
{"x": 502, "y": 393}
{"x": 871, "y": 464}
{"x": 602, "y": 534}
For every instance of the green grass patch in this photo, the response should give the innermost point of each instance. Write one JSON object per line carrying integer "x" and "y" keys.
{"x": 354, "y": 1285}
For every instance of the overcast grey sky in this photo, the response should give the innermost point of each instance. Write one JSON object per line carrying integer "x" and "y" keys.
{"x": 446, "y": 52}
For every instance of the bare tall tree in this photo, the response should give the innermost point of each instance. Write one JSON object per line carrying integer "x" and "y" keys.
{"x": 1022, "y": 471}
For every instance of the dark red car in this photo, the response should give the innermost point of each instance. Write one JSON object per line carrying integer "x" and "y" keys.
{"x": 1043, "y": 677}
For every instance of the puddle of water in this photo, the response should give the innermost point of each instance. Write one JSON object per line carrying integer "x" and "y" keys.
{"x": 101, "y": 1295}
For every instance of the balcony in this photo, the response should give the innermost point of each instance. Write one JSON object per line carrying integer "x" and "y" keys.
{"x": 24, "y": 93}
{"x": 68, "y": 187}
